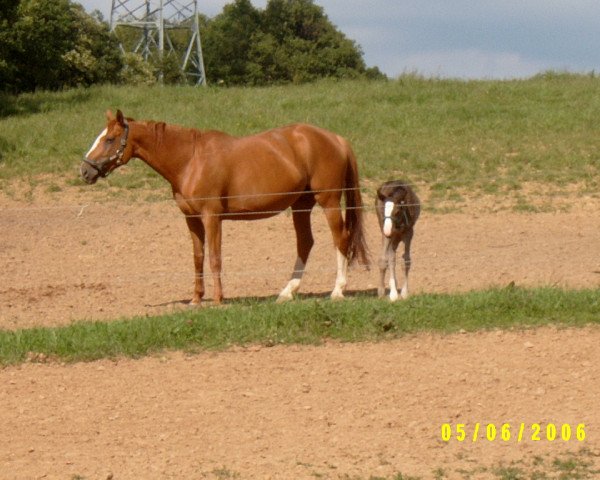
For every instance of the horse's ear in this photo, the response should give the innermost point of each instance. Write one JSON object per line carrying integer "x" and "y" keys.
{"x": 109, "y": 115}
{"x": 380, "y": 195}
{"x": 120, "y": 117}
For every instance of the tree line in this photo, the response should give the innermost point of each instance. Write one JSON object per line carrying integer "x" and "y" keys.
{"x": 56, "y": 45}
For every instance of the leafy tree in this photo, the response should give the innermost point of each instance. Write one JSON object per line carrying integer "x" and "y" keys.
{"x": 95, "y": 56}
{"x": 136, "y": 70}
{"x": 8, "y": 13}
{"x": 227, "y": 40}
{"x": 45, "y": 51}
{"x": 289, "y": 41}
{"x": 310, "y": 45}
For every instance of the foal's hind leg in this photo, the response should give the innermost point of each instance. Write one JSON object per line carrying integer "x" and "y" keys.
{"x": 301, "y": 211}
{"x": 407, "y": 264}
{"x": 383, "y": 266}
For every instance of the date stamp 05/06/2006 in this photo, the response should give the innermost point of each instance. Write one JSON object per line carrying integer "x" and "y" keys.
{"x": 506, "y": 432}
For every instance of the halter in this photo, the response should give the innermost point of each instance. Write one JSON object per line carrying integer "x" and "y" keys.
{"x": 100, "y": 165}
{"x": 398, "y": 221}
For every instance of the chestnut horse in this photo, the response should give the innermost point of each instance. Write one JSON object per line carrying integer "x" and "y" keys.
{"x": 215, "y": 176}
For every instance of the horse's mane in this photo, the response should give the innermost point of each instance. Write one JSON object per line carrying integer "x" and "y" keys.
{"x": 162, "y": 129}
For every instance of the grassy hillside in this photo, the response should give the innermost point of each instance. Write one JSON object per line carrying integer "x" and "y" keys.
{"x": 483, "y": 135}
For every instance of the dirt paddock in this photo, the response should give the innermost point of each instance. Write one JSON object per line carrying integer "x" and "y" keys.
{"x": 333, "y": 411}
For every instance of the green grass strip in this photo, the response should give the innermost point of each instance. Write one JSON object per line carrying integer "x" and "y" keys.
{"x": 304, "y": 321}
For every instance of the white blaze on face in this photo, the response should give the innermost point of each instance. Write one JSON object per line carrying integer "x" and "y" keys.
{"x": 96, "y": 142}
{"x": 387, "y": 223}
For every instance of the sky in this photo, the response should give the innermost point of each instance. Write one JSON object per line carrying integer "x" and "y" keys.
{"x": 467, "y": 39}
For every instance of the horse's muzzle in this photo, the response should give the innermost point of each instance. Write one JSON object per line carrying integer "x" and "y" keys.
{"x": 89, "y": 173}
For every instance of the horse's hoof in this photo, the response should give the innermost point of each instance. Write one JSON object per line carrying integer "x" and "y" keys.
{"x": 337, "y": 296}
{"x": 284, "y": 298}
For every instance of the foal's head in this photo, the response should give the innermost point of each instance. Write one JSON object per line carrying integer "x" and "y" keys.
{"x": 109, "y": 151}
{"x": 397, "y": 207}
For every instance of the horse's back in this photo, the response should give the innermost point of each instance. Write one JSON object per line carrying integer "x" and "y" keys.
{"x": 325, "y": 154}
{"x": 301, "y": 148}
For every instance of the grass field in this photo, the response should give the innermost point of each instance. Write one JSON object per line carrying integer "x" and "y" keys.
{"x": 487, "y": 136}
{"x": 252, "y": 321}
{"x": 482, "y": 136}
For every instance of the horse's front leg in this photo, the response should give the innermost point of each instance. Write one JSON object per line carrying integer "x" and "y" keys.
{"x": 213, "y": 227}
{"x": 196, "y": 228}
{"x": 391, "y": 260}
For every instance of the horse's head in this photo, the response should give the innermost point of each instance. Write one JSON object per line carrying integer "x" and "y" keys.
{"x": 109, "y": 150}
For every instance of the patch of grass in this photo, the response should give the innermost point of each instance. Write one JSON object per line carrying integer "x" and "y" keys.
{"x": 486, "y": 135}
{"x": 304, "y": 321}
{"x": 569, "y": 466}
{"x": 224, "y": 474}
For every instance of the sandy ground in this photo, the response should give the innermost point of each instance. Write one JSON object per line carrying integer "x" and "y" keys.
{"x": 334, "y": 411}
{"x": 70, "y": 261}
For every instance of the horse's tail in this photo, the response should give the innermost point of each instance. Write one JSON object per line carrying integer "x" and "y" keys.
{"x": 357, "y": 244}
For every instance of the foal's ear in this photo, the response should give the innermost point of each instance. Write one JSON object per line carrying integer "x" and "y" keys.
{"x": 109, "y": 116}
{"x": 380, "y": 195}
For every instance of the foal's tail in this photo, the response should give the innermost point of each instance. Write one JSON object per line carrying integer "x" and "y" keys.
{"x": 357, "y": 244}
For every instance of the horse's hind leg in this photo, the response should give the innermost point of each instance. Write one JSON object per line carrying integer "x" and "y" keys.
{"x": 304, "y": 241}
{"x": 333, "y": 213}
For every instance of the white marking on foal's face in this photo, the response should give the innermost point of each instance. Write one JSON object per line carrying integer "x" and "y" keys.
{"x": 388, "y": 208}
{"x": 96, "y": 142}
{"x": 387, "y": 227}
{"x": 387, "y": 213}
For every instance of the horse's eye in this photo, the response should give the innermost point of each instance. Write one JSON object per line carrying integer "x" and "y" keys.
{"x": 109, "y": 140}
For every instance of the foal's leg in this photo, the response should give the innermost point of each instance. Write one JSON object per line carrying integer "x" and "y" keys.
{"x": 391, "y": 260}
{"x": 301, "y": 211}
{"x": 407, "y": 264}
{"x": 196, "y": 228}
{"x": 383, "y": 266}
{"x": 212, "y": 224}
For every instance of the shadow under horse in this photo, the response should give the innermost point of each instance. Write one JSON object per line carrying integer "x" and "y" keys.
{"x": 215, "y": 176}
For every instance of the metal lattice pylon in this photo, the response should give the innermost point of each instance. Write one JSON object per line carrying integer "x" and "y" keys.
{"x": 154, "y": 23}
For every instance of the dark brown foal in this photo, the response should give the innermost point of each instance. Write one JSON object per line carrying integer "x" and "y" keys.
{"x": 398, "y": 209}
